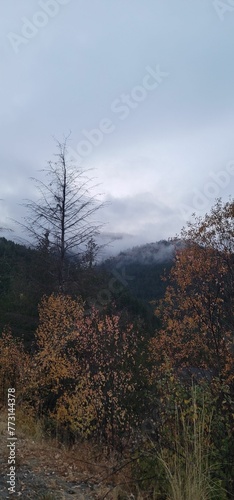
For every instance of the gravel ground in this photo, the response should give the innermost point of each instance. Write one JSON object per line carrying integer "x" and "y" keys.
{"x": 34, "y": 481}
{"x": 44, "y": 472}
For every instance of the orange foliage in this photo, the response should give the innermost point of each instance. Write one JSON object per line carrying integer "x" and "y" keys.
{"x": 83, "y": 368}
{"x": 197, "y": 311}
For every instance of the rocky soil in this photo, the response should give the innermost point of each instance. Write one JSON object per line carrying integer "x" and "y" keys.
{"x": 46, "y": 472}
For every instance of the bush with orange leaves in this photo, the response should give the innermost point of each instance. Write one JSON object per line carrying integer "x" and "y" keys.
{"x": 197, "y": 310}
{"x": 84, "y": 369}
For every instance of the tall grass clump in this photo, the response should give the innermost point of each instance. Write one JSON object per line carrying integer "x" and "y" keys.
{"x": 188, "y": 465}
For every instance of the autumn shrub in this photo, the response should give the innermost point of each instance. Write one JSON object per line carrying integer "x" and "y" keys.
{"x": 197, "y": 310}
{"x": 85, "y": 370}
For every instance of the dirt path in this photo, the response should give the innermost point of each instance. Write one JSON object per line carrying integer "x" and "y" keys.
{"x": 45, "y": 472}
{"x": 41, "y": 470}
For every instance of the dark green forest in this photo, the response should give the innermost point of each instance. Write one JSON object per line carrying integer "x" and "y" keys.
{"x": 26, "y": 274}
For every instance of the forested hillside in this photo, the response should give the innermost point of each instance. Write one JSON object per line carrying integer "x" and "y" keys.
{"x": 27, "y": 274}
{"x": 146, "y": 265}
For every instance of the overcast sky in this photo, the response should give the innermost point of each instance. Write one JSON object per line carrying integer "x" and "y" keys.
{"x": 146, "y": 88}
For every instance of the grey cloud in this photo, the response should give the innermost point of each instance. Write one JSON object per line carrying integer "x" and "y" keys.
{"x": 67, "y": 76}
{"x": 138, "y": 219}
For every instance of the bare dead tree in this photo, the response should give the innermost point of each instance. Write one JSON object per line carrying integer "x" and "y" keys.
{"x": 64, "y": 211}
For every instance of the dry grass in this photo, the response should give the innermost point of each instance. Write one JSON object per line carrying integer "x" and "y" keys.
{"x": 188, "y": 470}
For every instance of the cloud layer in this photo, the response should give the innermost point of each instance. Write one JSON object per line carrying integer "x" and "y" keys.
{"x": 90, "y": 66}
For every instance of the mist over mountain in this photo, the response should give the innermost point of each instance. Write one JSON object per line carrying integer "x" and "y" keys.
{"x": 150, "y": 253}
{"x": 143, "y": 268}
